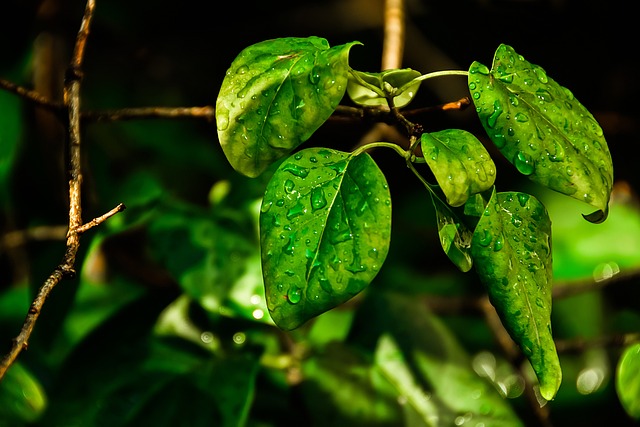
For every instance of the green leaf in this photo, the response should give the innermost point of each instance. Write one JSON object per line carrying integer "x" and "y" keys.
{"x": 352, "y": 391}
{"x": 540, "y": 127}
{"x": 512, "y": 253}
{"x": 432, "y": 372}
{"x": 372, "y": 89}
{"x": 459, "y": 162}
{"x": 455, "y": 237}
{"x": 628, "y": 380}
{"x": 22, "y": 397}
{"x": 325, "y": 225}
{"x": 275, "y": 95}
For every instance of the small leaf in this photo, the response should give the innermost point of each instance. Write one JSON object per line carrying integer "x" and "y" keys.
{"x": 459, "y": 162}
{"x": 542, "y": 129}
{"x": 512, "y": 253}
{"x": 455, "y": 237}
{"x": 325, "y": 224}
{"x": 628, "y": 380}
{"x": 275, "y": 95}
{"x": 371, "y": 89}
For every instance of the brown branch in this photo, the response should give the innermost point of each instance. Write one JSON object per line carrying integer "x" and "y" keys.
{"x": 394, "y": 28}
{"x": 206, "y": 112}
{"x": 32, "y": 96}
{"x": 66, "y": 268}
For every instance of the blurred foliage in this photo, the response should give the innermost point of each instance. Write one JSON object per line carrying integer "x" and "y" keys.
{"x": 166, "y": 323}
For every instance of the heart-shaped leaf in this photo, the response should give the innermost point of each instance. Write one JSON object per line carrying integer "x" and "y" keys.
{"x": 543, "y": 129}
{"x": 511, "y": 249}
{"x": 459, "y": 162}
{"x": 275, "y": 95}
{"x": 325, "y": 224}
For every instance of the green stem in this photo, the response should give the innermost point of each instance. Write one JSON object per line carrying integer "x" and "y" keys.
{"x": 371, "y": 145}
{"x": 433, "y": 75}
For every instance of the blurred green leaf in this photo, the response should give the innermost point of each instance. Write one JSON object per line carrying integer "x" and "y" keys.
{"x": 215, "y": 261}
{"x": 271, "y": 86}
{"x": 628, "y": 380}
{"x": 432, "y": 372}
{"x": 584, "y": 251}
{"x": 542, "y": 128}
{"x": 511, "y": 249}
{"x": 352, "y": 391}
{"x": 325, "y": 225}
{"x": 22, "y": 397}
{"x": 459, "y": 162}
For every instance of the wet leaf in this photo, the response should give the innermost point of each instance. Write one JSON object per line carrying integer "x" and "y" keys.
{"x": 372, "y": 89}
{"x": 455, "y": 237}
{"x": 459, "y": 162}
{"x": 325, "y": 224}
{"x": 275, "y": 95}
{"x": 628, "y": 380}
{"x": 540, "y": 127}
{"x": 512, "y": 254}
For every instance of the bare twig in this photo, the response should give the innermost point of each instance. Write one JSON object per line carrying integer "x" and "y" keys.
{"x": 75, "y": 228}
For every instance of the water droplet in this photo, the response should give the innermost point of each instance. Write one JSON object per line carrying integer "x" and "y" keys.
{"x": 434, "y": 153}
{"x": 486, "y": 238}
{"x": 296, "y": 170}
{"x": 289, "y": 247}
{"x": 338, "y": 167}
{"x": 318, "y": 200}
{"x": 342, "y": 236}
{"x": 544, "y": 95}
{"x": 499, "y": 243}
{"x": 289, "y": 186}
{"x": 524, "y": 163}
{"x": 294, "y": 295}
{"x": 296, "y": 211}
{"x": 497, "y": 110}
{"x": 523, "y": 198}
{"x": 222, "y": 118}
{"x": 540, "y": 74}
{"x": 265, "y": 207}
{"x": 314, "y": 76}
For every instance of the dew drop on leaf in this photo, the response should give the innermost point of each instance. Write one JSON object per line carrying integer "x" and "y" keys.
{"x": 524, "y": 163}
{"x": 318, "y": 199}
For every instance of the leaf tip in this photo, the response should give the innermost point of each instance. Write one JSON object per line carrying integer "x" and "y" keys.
{"x": 598, "y": 216}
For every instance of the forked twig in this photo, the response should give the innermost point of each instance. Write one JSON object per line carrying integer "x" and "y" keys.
{"x": 76, "y": 227}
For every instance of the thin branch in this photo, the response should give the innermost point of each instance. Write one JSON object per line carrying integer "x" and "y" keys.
{"x": 99, "y": 220}
{"x": 206, "y": 112}
{"x": 17, "y": 238}
{"x": 66, "y": 267}
{"x": 31, "y": 95}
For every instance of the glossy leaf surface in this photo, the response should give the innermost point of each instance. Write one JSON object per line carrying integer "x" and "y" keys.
{"x": 325, "y": 224}
{"x": 275, "y": 95}
{"x": 459, "y": 162}
{"x": 542, "y": 129}
{"x": 511, "y": 248}
{"x": 628, "y": 380}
